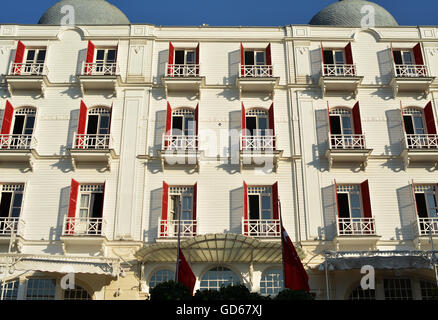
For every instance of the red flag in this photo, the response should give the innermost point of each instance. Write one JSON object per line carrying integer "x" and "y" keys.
{"x": 295, "y": 276}
{"x": 185, "y": 273}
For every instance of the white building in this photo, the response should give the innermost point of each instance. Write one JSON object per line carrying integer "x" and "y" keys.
{"x": 110, "y": 129}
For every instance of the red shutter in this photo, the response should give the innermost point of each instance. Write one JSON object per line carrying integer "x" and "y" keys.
{"x": 164, "y": 208}
{"x": 268, "y": 55}
{"x": 415, "y": 199}
{"x": 171, "y": 59}
{"x": 418, "y": 54}
{"x": 19, "y": 57}
{"x": 245, "y": 207}
{"x": 242, "y": 60}
{"x": 168, "y": 124}
{"x": 90, "y": 57}
{"x": 348, "y": 54}
{"x": 430, "y": 119}
{"x": 197, "y": 59}
{"x": 197, "y": 120}
{"x": 74, "y": 191}
{"x": 329, "y": 122}
{"x": 272, "y": 121}
{"x": 243, "y": 125}
{"x": 195, "y": 200}
{"x": 337, "y": 200}
{"x": 356, "y": 119}
{"x": 275, "y": 204}
{"x": 365, "y": 189}
{"x": 7, "y": 118}
{"x": 82, "y": 125}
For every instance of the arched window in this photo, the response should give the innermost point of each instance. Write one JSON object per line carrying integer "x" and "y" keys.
{"x": 341, "y": 121}
{"x": 413, "y": 119}
{"x": 217, "y": 277}
{"x": 359, "y": 294}
{"x": 183, "y": 122}
{"x": 78, "y": 293}
{"x": 257, "y": 122}
{"x": 99, "y": 120}
{"x": 9, "y": 290}
{"x": 272, "y": 282}
{"x": 161, "y": 276}
{"x": 24, "y": 121}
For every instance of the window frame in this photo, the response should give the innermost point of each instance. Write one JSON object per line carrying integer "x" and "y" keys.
{"x": 90, "y": 204}
{"x": 14, "y": 192}
{"x": 433, "y": 193}
{"x": 186, "y": 114}
{"x": 260, "y": 195}
{"x": 343, "y": 113}
{"x": 255, "y": 51}
{"x": 350, "y": 208}
{"x": 415, "y": 113}
{"x": 181, "y": 192}
{"x": 186, "y": 52}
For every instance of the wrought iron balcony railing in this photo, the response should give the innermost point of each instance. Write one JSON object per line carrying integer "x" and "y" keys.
{"x": 356, "y": 226}
{"x": 92, "y": 141}
{"x": 182, "y": 70}
{"x": 261, "y": 228}
{"x": 257, "y": 143}
{"x": 170, "y": 228}
{"x": 84, "y": 227}
{"x": 256, "y": 71}
{"x": 347, "y": 141}
{"x": 17, "y": 142}
{"x": 339, "y": 70}
{"x": 100, "y": 69}
{"x": 28, "y": 69}
{"x": 410, "y": 71}
{"x": 180, "y": 143}
{"x": 427, "y": 226}
{"x": 8, "y": 226}
{"x": 421, "y": 141}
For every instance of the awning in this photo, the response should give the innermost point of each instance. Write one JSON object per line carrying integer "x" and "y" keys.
{"x": 61, "y": 264}
{"x": 386, "y": 260}
{"x": 215, "y": 248}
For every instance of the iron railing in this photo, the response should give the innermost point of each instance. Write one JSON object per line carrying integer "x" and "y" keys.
{"x": 17, "y": 142}
{"x": 84, "y": 227}
{"x": 347, "y": 141}
{"x": 410, "y": 71}
{"x": 356, "y": 226}
{"x": 182, "y": 70}
{"x": 421, "y": 141}
{"x": 339, "y": 70}
{"x": 8, "y": 226}
{"x": 169, "y": 228}
{"x": 100, "y": 69}
{"x": 261, "y": 228}
{"x": 28, "y": 69}
{"x": 257, "y": 143}
{"x": 92, "y": 141}
{"x": 255, "y": 71}
{"x": 180, "y": 142}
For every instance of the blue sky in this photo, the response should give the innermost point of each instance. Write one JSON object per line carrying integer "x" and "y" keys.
{"x": 225, "y": 12}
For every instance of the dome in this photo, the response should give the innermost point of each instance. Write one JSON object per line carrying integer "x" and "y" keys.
{"x": 347, "y": 13}
{"x": 86, "y": 12}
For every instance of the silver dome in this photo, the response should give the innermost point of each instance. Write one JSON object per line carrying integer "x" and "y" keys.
{"x": 87, "y": 12}
{"x": 347, "y": 13}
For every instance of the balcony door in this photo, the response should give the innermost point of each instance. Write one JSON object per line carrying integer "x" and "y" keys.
{"x": 24, "y": 122}
{"x": 183, "y": 56}
{"x": 181, "y": 211}
{"x": 260, "y": 210}
{"x": 90, "y": 210}
{"x": 34, "y": 61}
{"x": 426, "y": 201}
{"x": 11, "y": 198}
{"x": 257, "y": 123}
{"x": 183, "y": 122}
{"x": 106, "y": 60}
{"x": 334, "y": 57}
{"x": 341, "y": 128}
{"x": 349, "y": 201}
{"x": 98, "y": 127}
{"x": 414, "y": 121}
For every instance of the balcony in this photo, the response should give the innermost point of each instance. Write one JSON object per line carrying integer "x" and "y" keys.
{"x": 256, "y": 78}
{"x": 261, "y": 228}
{"x": 348, "y": 149}
{"x": 168, "y": 229}
{"x": 180, "y": 150}
{"x": 420, "y": 149}
{"x": 183, "y": 78}
{"x": 356, "y": 232}
{"x": 426, "y": 230}
{"x": 98, "y": 77}
{"x": 259, "y": 151}
{"x": 18, "y": 148}
{"x": 83, "y": 232}
{"x": 339, "y": 78}
{"x": 92, "y": 149}
{"x": 411, "y": 78}
{"x": 9, "y": 227}
{"x": 24, "y": 77}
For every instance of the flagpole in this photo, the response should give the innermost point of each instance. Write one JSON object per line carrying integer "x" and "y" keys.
{"x": 179, "y": 239}
{"x": 282, "y": 246}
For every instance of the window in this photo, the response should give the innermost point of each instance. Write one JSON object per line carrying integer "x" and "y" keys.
{"x": 336, "y": 56}
{"x": 9, "y": 290}
{"x": 161, "y": 276}
{"x": 34, "y": 60}
{"x": 41, "y": 289}
{"x": 349, "y": 201}
{"x": 217, "y": 277}
{"x": 106, "y": 60}
{"x": 426, "y": 201}
{"x": 260, "y": 203}
{"x": 78, "y": 293}
{"x": 24, "y": 121}
{"x": 183, "y": 122}
{"x": 272, "y": 282}
{"x": 398, "y": 289}
{"x": 257, "y": 122}
{"x": 413, "y": 121}
{"x": 98, "y": 128}
{"x": 11, "y": 199}
{"x": 404, "y": 57}
{"x": 341, "y": 121}
{"x": 91, "y": 201}
{"x": 255, "y": 57}
{"x": 360, "y": 294}
{"x": 429, "y": 290}
{"x": 183, "y": 56}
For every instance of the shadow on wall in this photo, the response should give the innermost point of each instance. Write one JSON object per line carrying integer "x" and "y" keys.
{"x": 151, "y": 234}
{"x": 233, "y": 67}
{"x": 64, "y": 198}
{"x": 329, "y": 211}
{"x": 408, "y": 221}
{"x": 322, "y": 140}
{"x": 236, "y": 210}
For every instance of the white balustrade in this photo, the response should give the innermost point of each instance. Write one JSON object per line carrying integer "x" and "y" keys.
{"x": 356, "y": 226}
{"x": 10, "y": 225}
{"x": 421, "y": 141}
{"x": 182, "y": 70}
{"x": 261, "y": 228}
{"x": 180, "y": 142}
{"x": 339, "y": 70}
{"x": 256, "y": 71}
{"x": 92, "y": 141}
{"x": 427, "y": 226}
{"x": 101, "y": 69}
{"x": 169, "y": 228}
{"x": 347, "y": 141}
{"x": 84, "y": 227}
{"x": 410, "y": 71}
{"x": 17, "y": 142}
{"x": 28, "y": 69}
{"x": 257, "y": 143}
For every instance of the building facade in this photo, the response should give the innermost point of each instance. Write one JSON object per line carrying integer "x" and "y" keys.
{"x": 117, "y": 137}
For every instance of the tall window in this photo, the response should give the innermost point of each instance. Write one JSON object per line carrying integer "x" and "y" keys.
{"x": 349, "y": 201}
{"x": 41, "y": 289}
{"x": 414, "y": 121}
{"x": 405, "y": 57}
{"x": 34, "y": 59}
{"x": 91, "y": 201}
{"x": 105, "y": 60}
{"x": 98, "y": 127}
{"x": 185, "y": 56}
{"x": 24, "y": 121}
{"x": 260, "y": 203}
{"x": 334, "y": 56}
{"x": 217, "y": 277}
{"x": 257, "y": 122}
{"x": 255, "y": 57}
{"x": 426, "y": 201}
{"x": 183, "y": 122}
{"x": 11, "y": 198}
{"x": 9, "y": 290}
{"x": 181, "y": 201}
{"x": 161, "y": 276}
{"x": 272, "y": 282}
{"x": 341, "y": 121}
{"x": 398, "y": 289}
